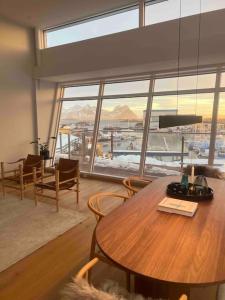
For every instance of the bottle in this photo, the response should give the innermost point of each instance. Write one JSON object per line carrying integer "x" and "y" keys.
{"x": 184, "y": 181}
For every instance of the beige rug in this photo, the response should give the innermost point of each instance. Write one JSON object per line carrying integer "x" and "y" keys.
{"x": 24, "y": 228}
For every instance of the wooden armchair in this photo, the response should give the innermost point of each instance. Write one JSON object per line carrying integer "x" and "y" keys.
{"x": 67, "y": 176}
{"x": 95, "y": 205}
{"x": 133, "y": 184}
{"x": 23, "y": 175}
{"x": 80, "y": 287}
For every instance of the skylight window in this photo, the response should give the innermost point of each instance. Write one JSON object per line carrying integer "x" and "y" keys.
{"x": 161, "y": 11}
{"x": 113, "y": 22}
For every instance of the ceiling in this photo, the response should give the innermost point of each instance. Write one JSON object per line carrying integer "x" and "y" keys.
{"x": 49, "y": 13}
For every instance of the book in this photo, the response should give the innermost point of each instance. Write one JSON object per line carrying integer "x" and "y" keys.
{"x": 176, "y": 206}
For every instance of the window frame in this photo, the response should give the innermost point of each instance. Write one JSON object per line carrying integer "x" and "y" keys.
{"x": 88, "y": 19}
{"x": 150, "y": 94}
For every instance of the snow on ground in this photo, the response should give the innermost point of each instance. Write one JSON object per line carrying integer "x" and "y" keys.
{"x": 152, "y": 165}
{"x": 131, "y": 162}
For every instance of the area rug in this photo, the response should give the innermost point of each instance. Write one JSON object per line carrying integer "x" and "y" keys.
{"x": 24, "y": 228}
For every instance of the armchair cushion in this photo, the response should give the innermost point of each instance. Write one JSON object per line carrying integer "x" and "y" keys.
{"x": 51, "y": 185}
{"x": 68, "y": 168}
{"x": 31, "y": 162}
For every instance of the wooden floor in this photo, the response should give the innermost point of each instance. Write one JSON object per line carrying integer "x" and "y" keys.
{"x": 44, "y": 273}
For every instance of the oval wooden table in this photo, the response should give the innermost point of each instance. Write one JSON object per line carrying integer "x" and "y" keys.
{"x": 167, "y": 247}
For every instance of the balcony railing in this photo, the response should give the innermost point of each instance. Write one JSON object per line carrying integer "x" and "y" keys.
{"x": 118, "y": 152}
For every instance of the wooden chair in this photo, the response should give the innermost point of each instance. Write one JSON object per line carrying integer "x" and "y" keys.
{"x": 67, "y": 176}
{"x": 133, "y": 184}
{"x": 84, "y": 274}
{"x": 95, "y": 205}
{"x": 23, "y": 175}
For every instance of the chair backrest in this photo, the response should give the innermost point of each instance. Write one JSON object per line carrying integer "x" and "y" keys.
{"x": 68, "y": 169}
{"x": 32, "y": 161}
{"x": 134, "y": 183}
{"x": 95, "y": 203}
{"x": 83, "y": 273}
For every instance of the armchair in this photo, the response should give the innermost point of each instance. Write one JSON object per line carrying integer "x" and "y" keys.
{"x": 22, "y": 176}
{"x": 67, "y": 176}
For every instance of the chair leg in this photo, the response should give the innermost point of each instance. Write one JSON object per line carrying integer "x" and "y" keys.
{"x": 57, "y": 189}
{"x": 93, "y": 245}
{"x": 35, "y": 196}
{"x": 92, "y": 253}
{"x": 35, "y": 199}
{"x": 3, "y": 188}
{"x": 78, "y": 190}
{"x": 2, "y": 174}
{"x": 128, "y": 281}
{"x": 57, "y": 203}
{"x": 35, "y": 181}
{"x": 21, "y": 182}
{"x": 21, "y": 192}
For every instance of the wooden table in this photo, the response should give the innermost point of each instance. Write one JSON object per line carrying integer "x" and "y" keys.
{"x": 163, "y": 246}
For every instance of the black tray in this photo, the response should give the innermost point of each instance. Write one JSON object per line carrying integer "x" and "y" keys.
{"x": 194, "y": 193}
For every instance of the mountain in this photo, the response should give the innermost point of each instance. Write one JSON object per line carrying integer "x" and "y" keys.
{"x": 87, "y": 113}
{"x": 120, "y": 112}
{"x": 80, "y": 113}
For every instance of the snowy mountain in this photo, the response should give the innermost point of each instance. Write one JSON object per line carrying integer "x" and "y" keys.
{"x": 87, "y": 113}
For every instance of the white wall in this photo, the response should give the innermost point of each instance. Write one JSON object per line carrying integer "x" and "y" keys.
{"x": 17, "y": 115}
{"x": 46, "y": 93}
{"x": 149, "y": 49}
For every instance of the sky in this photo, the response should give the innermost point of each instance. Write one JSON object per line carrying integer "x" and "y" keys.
{"x": 191, "y": 104}
{"x": 94, "y": 28}
{"x": 202, "y": 104}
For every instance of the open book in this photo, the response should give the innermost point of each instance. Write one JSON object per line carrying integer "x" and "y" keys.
{"x": 176, "y": 206}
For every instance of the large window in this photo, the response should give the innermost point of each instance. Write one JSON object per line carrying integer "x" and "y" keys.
{"x": 75, "y": 134}
{"x": 113, "y": 128}
{"x": 164, "y": 145}
{"x": 118, "y": 150}
{"x": 219, "y": 158}
{"x": 123, "y": 19}
{"x": 204, "y": 81}
{"x": 113, "y": 22}
{"x": 161, "y": 11}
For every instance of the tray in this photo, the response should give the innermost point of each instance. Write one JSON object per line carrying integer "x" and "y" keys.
{"x": 194, "y": 193}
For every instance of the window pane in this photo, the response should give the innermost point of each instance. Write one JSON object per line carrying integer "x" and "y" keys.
{"x": 75, "y": 134}
{"x": 132, "y": 87}
{"x": 222, "y": 84}
{"x": 118, "y": 149}
{"x": 170, "y": 9}
{"x": 163, "y": 155}
{"x": 219, "y": 160}
{"x": 204, "y": 81}
{"x": 81, "y": 91}
{"x": 95, "y": 27}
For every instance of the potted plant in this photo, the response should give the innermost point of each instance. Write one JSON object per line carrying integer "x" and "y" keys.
{"x": 43, "y": 148}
